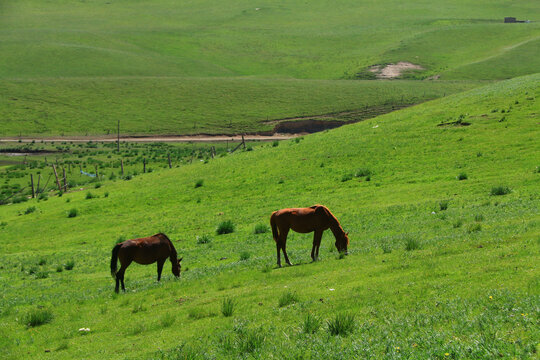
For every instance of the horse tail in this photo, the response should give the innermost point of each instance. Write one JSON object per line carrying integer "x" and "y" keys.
{"x": 114, "y": 260}
{"x": 274, "y": 226}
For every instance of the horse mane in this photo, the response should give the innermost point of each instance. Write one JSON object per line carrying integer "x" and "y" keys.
{"x": 173, "y": 249}
{"x": 336, "y": 225}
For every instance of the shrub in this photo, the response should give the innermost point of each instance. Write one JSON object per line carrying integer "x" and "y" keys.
{"x": 261, "y": 229}
{"x": 225, "y": 227}
{"x": 412, "y": 244}
{"x": 73, "y": 213}
{"x": 287, "y": 298}
{"x": 42, "y": 262}
{"x": 19, "y": 199}
{"x": 199, "y": 183}
{"x": 500, "y": 190}
{"x": 37, "y": 317}
{"x": 43, "y": 196}
{"x": 311, "y": 324}
{"x": 89, "y": 195}
{"x": 244, "y": 255}
{"x": 59, "y": 268}
{"x": 266, "y": 268}
{"x": 479, "y": 217}
{"x": 205, "y": 239}
{"x": 69, "y": 265}
{"x": 227, "y": 307}
{"x": 30, "y": 210}
{"x": 275, "y": 143}
{"x": 106, "y": 194}
{"x": 97, "y": 185}
{"x": 341, "y": 324}
{"x": 443, "y": 205}
{"x": 462, "y": 176}
{"x": 346, "y": 177}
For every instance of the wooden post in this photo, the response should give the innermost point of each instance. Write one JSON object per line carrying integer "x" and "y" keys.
{"x": 144, "y": 165}
{"x": 97, "y": 174}
{"x": 65, "y": 182}
{"x": 56, "y": 176}
{"x": 122, "y": 166}
{"x": 243, "y": 142}
{"x": 118, "y": 141}
{"x": 169, "y": 156}
{"x": 32, "y": 183}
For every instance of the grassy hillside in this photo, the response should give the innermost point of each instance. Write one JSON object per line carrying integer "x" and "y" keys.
{"x": 165, "y": 66}
{"x": 438, "y": 267}
{"x": 90, "y": 106}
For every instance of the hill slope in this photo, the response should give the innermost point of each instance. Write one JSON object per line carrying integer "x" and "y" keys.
{"x": 467, "y": 287}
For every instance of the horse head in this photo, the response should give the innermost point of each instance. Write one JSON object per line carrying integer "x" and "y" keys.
{"x": 342, "y": 243}
{"x": 176, "y": 267}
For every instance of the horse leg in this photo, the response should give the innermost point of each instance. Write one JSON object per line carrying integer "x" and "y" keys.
{"x": 283, "y": 244}
{"x": 160, "y": 268}
{"x": 121, "y": 272}
{"x": 317, "y": 236}
{"x": 278, "y": 253}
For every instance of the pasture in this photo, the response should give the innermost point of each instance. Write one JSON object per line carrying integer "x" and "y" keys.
{"x": 205, "y": 67}
{"x": 440, "y": 201}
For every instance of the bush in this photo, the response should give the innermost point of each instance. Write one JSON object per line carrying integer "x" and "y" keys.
{"x": 457, "y": 224}
{"x": 73, "y": 213}
{"x": 19, "y": 199}
{"x": 275, "y": 143}
{"x": 462, "y": 176}
{"x": 287, "y": 298}
{"x": 412, "y": 244}
{"x": 311, "y": 324}
{"x": 341, "y": 324}
{"x": 38, "y": 317}
{"x": 261, "y": 229}
{"x": 43, "y": 196}
{"x": 42, "y": 262}
{"x": 227, "y": 307}
{"x": 30, "y": 210}
{"x": 205, "y": 239}
{"x": 59, "y": 268}
{"x": 106, "y": 194}
{"x": 346, "y": 177}
{"x": 97, "y": 185}
{"x": 69, "y": 265}
{"x": 199, "y": 183}
{"x": 500, "y": 190}
{"x": 225, "y": 227}
{"x": 89, "y": 196}
{"x": 42, "y": 275}
{"x": 479, "y": 217}
{"x": 244, "y": 255}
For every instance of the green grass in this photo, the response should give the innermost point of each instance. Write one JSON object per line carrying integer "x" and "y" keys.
{"x": 469, "y": 294}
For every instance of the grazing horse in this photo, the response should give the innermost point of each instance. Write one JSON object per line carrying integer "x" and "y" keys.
{"x": 144, "y": 251}
{"x": 315, "y": 218}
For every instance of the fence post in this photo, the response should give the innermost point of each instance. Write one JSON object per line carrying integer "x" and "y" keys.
{"x": 122, "y": 166}
{"x": 32, "y": 182}
{"x": 97, "y": 174}
{"x": 144, "y": 165}
{"x": 65, "y": 180}
{"x": 56, "y": 176}
{"x": 169, "y": 156}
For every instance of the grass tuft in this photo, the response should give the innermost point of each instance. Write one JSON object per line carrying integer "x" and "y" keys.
{"x": 244, "y": 255}
{"x": 287, "y": 298}
{"x": 462, "y": 176}
{"x": 225, "y": 227}
{"x": 500, "y": 190}
{"x": 341, "y": 324}
{"x": 261, "y": 229}
{"x": 227, "y": 307}
{"x": 443, "y": 205}
{"x": 204, "y": 239}
{"x": 311, "y": 324}
{"x": 73, "y": 213}
{"x": 38, "y": 317}
{"x": 199, "y": 183}
{"x": 412, "y": 244}
{"x": 69, "y": 265}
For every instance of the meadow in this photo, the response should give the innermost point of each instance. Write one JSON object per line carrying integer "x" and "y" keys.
{"x": 441, "y": 204}
{"x": 169, "y": 67}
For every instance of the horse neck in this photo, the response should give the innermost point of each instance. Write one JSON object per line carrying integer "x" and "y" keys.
{"x": 335, "y": 226}
{"x": 174, "y": 255}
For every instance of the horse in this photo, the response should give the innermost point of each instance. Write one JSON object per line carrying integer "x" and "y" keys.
{"x": 315, "y": 218}
{"x": 144, "y": 251}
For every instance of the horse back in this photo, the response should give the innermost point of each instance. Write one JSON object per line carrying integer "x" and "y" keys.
{"x": 148, "y": 249}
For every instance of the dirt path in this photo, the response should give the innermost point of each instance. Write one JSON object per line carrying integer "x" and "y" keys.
{"x": 156, "y": 138}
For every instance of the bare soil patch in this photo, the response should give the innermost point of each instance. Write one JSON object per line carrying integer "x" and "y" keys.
{"x": 392, "y": 71}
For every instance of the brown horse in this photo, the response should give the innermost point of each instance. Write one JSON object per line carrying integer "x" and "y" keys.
{"x": 144, "y": 251}
{"x": 315, "y": 218}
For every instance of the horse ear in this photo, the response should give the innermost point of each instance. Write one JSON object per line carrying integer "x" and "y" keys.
{"x": 180, "y": 259}
{"x": 347, "y": 233}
